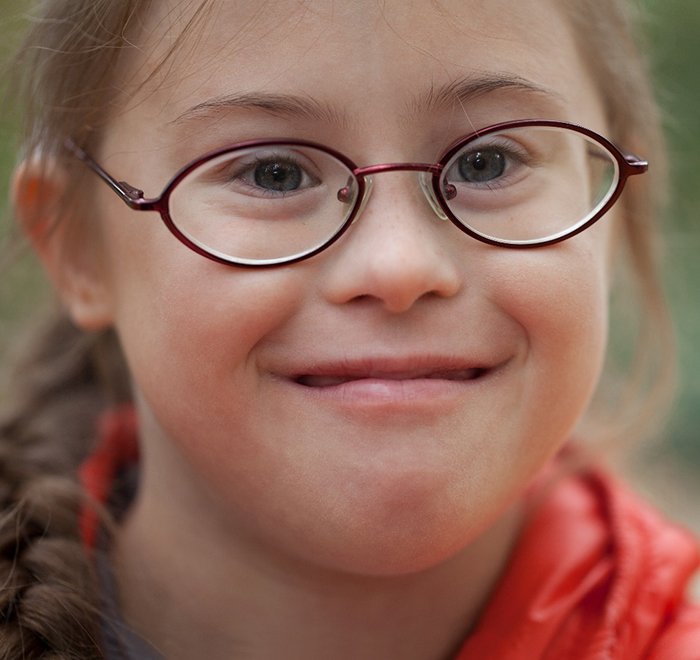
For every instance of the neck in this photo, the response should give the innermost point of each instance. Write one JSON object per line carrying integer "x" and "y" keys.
{"x": 243, "y": 600}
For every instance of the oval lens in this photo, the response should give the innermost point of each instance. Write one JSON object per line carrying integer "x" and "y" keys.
{"x": 528, "y": 184}
{"x": 264, "y": 204}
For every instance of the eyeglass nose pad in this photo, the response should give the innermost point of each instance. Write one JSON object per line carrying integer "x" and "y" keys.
{"x": 425, "y": 180}
{"x": 369, "y": 183}
{"x": 345, "y": 194}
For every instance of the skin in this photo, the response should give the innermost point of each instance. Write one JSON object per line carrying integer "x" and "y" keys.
{"x": 370, "y": 519}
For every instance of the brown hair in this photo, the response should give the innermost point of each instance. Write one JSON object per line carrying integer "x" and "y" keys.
{"x": 49, "y": 602}
{"x": 68, "y": 62}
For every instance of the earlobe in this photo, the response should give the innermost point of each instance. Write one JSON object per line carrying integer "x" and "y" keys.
{"x": 67, "y": 249}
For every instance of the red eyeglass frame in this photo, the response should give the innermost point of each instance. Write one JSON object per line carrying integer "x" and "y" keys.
{"x": 627, "y": 165}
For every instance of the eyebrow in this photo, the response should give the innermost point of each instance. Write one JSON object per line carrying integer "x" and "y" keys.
{"x": 460, "y": 92}
{"x": 465, "y": 90}
{"x": 275, "y": 104}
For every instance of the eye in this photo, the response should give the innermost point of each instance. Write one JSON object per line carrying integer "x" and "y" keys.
{"x": 481, "y": 166}
{"x": 493, "y": 162}
{"x": 271, "y": 174}
{"x": 278, "y": 176}
{"x": 490, "y": 163}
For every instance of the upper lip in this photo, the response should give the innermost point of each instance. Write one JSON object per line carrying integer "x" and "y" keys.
{"x": 389, "y": 368}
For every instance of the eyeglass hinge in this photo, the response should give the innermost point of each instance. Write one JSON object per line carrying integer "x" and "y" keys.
{"x": 131, "y": 192}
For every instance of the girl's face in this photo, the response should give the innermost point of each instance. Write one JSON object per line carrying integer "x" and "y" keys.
{"x": 375, "y": 408}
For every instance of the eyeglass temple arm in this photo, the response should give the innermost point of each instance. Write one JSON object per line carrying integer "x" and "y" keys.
{"x": 133, "y": 197}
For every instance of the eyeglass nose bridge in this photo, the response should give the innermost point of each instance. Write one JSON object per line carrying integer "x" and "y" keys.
{"x": 426, "y": 172}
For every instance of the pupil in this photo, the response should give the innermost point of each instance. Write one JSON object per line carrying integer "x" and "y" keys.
{"x": 280, "y": 177}
{"x": 482, "y": 166}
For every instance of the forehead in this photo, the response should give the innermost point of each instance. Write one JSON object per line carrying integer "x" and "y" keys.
{"x": 352, "y": 63}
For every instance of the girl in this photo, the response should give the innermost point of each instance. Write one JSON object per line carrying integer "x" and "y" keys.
{"x": 347, "y": 416}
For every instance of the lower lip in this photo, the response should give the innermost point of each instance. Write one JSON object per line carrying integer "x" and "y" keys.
{"x": 386, "y": 394}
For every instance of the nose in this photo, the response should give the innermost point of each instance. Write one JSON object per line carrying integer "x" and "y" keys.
{"x": 396, "y": 253}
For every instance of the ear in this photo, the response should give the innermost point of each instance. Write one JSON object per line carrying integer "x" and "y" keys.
{"x": 69, "y": 251}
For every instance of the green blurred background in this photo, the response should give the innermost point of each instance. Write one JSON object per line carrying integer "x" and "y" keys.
{"x": 673, "y": 29}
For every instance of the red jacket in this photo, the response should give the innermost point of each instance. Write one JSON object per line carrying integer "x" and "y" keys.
{"x": 596, "y": 574}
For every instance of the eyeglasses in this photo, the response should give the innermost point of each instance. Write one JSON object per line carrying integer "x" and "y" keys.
{"x": 520, "y": 184}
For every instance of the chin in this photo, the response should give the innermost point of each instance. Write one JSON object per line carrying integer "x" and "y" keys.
{"x": 398, "y": 535}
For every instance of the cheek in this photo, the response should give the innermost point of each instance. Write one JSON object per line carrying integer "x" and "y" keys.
{"x": 203, "y": 322}
{"x": 560, "y": 300}
{"x": 187, "y": 323}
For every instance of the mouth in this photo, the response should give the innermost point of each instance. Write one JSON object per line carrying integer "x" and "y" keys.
{"x": 414, "y": 385}
{"x": 324, "y": 380}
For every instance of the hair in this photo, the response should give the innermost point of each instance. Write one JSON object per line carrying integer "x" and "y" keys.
{"x": 67, "y": 87}
{"x": 635, "y": 395}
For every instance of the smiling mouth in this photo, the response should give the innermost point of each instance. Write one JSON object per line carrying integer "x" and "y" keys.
{"x": 335, "y": 380}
